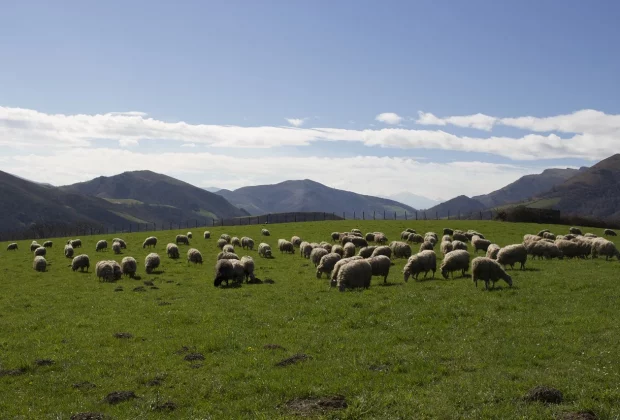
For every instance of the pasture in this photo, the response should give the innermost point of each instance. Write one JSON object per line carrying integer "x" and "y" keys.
{"x": 423, "y": 349}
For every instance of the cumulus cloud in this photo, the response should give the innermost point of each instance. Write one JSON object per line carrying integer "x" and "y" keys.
{"x": 389, "y": 118}
{"x": 188, "y": 145}
{"x": 478, "y": 121}
{"x": 296, "y": 122}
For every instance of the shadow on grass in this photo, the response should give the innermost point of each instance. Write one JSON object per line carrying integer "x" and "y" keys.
{"x": 390, "y": 284}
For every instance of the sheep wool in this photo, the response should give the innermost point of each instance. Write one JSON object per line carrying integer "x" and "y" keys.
{"x": 129, "y": 266}
{"x": 457, "y": 260}
{"x": 40, "y": 252}
{"x": 221, "y": 243}
{"x": 80, "y": 262}
{"x": 296, "y": 241}
{"x": 512, "y": 254}
{"x": 480, "y": 244}
{"x": 47, "y": 244}
{"x": 228, "y": 248}
{"x": 194, "y": 256}
{"x": 423, "y": 261}
{"x": 68, "y": 251}
{"x": 247, "y": 243}
{"x": 227, "y": 256}
{"x": 489, "y": 271}
{"x": 172, "y": 250}
{"x": 326, "y": 265}
{"x": 248, "y": 267}
{"x": 382, "y": 250}
{"x": 380, "y": 266}
{"x": 234, "y": 241}
{"x": 400, "y": 249}
{"x": 366, "y": 252}
{"x": 609, "y": 232}
{"x": 182, "y": 239}
{"x": 39, "y": 263}
{"x": 12, "y": 247}
{"x": 355, "y": 274}
{"x": 316, "y": 254}
{"x": 492, "y": 251}
{"x": 207, "y": 234}
{"x": 264, "y": 250}
{"x": 446, "y": 247}
{"x": 151, "y": 262}
{"x": 151, "y": 241}
{"x": 116, "y": 247}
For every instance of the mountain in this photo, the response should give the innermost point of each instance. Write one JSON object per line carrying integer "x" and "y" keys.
{"x": 212, "y": 189}
{"x": 413, "y": 200}
{"x": 462, "y": 205}
{"x": 527, "y": 187}
{"x": 307, "y": 195}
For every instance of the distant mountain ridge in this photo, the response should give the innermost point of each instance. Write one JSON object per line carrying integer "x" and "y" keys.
{"x": 412, "y": 200}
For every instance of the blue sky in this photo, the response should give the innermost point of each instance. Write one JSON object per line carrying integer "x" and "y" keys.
{"x": 227, "y": 69}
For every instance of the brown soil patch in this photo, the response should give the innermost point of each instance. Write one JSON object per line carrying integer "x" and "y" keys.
{"x": 191, "y": 357}
{"x": 117, "y": 397}
{"x": 579, "y": 415}
{"x": 313, "y": 406}
{"x": 123, "y": 335}
{"x": 44, "y": 362}
{"x": 84, "y": 385}
{"x": 544, "y": 394}
{"x": 88, "y": 416}
{"x": 167, "y": 406}
{"x": 296, "y": 358}
{"x": 139, "y": 289}
{"x": 273, "y": 347}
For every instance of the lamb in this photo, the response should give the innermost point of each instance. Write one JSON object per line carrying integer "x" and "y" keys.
{"x": 248, "y": 267}
{"x": 512, "y": 254}
{"x": 355, "y": 274}
{"x": 47, "y": 244}
{"x": 338, "y": 250}
{"x": 172, "y": 250}
{"x": 489, "y": 270}
{"x": 456, "y": 244}
{"x": 382, "y": 250}
{"x": 12, "y": 247}
{"x": 400, "y": 249}
{"x": 479, "y": 243}
{"x": 108, "y": 271}
{"x": 326, "y": 265}
{"x": 194, "y": 256}
{"x": 446, "y": 238}
{"x": 316, "y": 254}
{"x": 151, "y": 241}
{"x": 366, "y": 252}
{"x": 446, "y": 247}
{"x": 414, "y": 238}
{"x": 226, "y": 270}
{"x": 225, "y": 237}
{"x": 122, "y": 243}
{"x": 458, "y": 236}
{"x": 228, "y": 248}
{"x": 549, "y": 235}
{"x": 247, "y": 243}
{"x": 605, "y": 248}
{"x": 235, "y": 241}
{"x": 227, "y": 256}
{"x": 339, "y": 264}
{"x": 68, "y": 251}
{"x": 296, "y": 241}
{"x": 40, "y": 252}
{"x": 305, "y": 249}
{"x": 380, "y": 266}
{"x": 492, "y": 251}
{"x": 609, "y": 232}
{"x": 424, "y": 261}
{"x": 116, "y": 247}
{"x": 349, "y": 250}
{"x": 448, "y": 231}
{"x": 426, "y": 246}
{"x": 285, "y": 246}
{"x": 544, "y": 249}
{"x": 221, "y": 243}
{"x": 75, "y": 243}
{"x": 455, "y": 261}
{"x": 207, "y": 234}
{"x": 335, "y": 236}
{"x": 575, "y": 231}
{"x": 80, "y": 262}
{"x": 264, "y": 250}
{"x": 264, "y": 232}
{"x": 129, "y": 266}
{"x": 34, "y": 245}
{"x": 182, "y": 239}
{"x": 380, "y": 238}
{"x": 189, "y": 235}
{"x": 432, "y": 234}
{"x": 151, "y": 262}
{"x": 39, "y": 263}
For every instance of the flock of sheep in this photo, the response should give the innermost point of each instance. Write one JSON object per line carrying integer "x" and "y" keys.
{"x": 351, "y": 259}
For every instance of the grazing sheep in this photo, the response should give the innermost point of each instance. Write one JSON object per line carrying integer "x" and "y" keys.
{"x": 349, "y": 250}
{"x": 234, "y": 241}
{"x": 338, "y": 265}
{"x": 207, "y": 234}
{"x": 479, "y": 243}
{"x": 559, "y": 237}
{"x": 405, "y": 234}
{"x": 549, "y": 235}
{"x": 609, "y": 232}
{"x": 39, "y": 263}
{"x": 151, "y": 241}
{"x": 572, "y": 249}
{"x": 227, "y": 256}
{"x": 76, "y": 243}
{"x": 296, "y": 241}
{"x": 264, "y": 250}
{"x": 68, "y": 251}
{"x": 544, "y": 249}
{"x": 414, "y": 238}
{"x": 247, "y": 243}
{"x": 370, "y": 237}
{"x": 326, "y": 246}
{"x": 426, "y": 246}
{"x": 492, "y": 251}
{"x": 355, "y": 240}
{"x": 221, "y": 243}
{"x": 605, "y": 248}
{"x": 568, "y": 237}
{"x": 410, "y": 230}
{"x": 335, "y": 236}
{"x": 172, "y": 250}
{"x": 226, "y": 270}
{"x": 194, "y": 256}
{"x": 355, "y": 274}
{"x": 108, "y": 271}
{"x": 40, "y": 252}
{"x": 80, "y": 262}
{"x": 531, "y": 238}
{"x": 446, "y": 247}
{"x": 380, "y": 266}
{"x": 129, "y": 266}
{"x": 285, "y": 246}
{"x": 424, "y": 261}
{"x": 457, "y": 260}
{"x": 316, "y": 254}
{"x": 47, "y": 244}
{"x": 265, "y": 232}
{"x": 326, "y": 265}
{"x": 190, "y": 235}
{"x": 182, "y": 239}
{"x": 228, "y": 248}
{"x": 305, "y": 249}
{"x": 400, "y": 249}
{"x": 459, "y": 236}
{"x": 34, "y": 245}
{"x": 248, "y": 267}
{"x": 433, "y": 234}
{"x": 431, "y": 239}
{"x": 225, "y": 237}
{"x": 151, "y": 262}
{"x": 101, "y": 245}
{"x": 488, "y": 270}
{"x": 512, "y": 254}
{"x": 338, "y": 249}
{"x": 382, "y": 250}
{"x": 446, "y": 238}
{"x": 367, "y": 251}
{"x": 456, "y": 244}
{"x": 448, "y": 231}
{"x": 585, "y": 246}
{"x": 12, "y": 247}
{"x": 122, "y": 243}
{"x": 542, "y": 233}
{"x": 116, "y": 247}
{"x": 575, "y": 231}
{"x": 590, "y": 235}
{"x": 380, "y": 238}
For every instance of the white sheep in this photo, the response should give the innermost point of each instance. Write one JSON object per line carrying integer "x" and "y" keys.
{"x": 326, "y": 265}
{"x": 326, "y": 246}
{"x": 265, "y": 232}
{"x": 542, "y": 233}
{"x": 101, "y": 245}
{"x": 40, "y": 252}
{"x": 400, "y": 249}
{"x": 190, "y": 235}
{"x": 380, "y": 238}
{"x": 305, "y": 249}
{"x": 370, "y": 237}
{"x": 108, "y": 270}
{"x": 448, "y": 231}
{"x": 575, "y": 231}
{"x": 264, "y": 250}
{"x": 194, "y": 256}
{"x": 151, "y": 241}
{"x": 296, "y": 241}
{"x": 349, "y": 250}
{"x": 446, "y": 247}
{"x": 172, "y": 250}
{"x": 573, "y": 249}
{"x": 543, "y": 249}
{"x": 366, "y": 252}
{"x": 116, "y": 247}
{"x": 12, "y": 247}
{"x": 424, "y": 261}
{"x": 338, "y": 265}
{"x": 80, "y": 262}
{"x": 285, "y": 246}
{"x": 247, "y": 243}
{"x": 34, "y": 245}
{"x": 456, "y": 244}
{"x": 129, "y": 266}
{"x": 414, "y": 238}
{"x": 228, "y": 248}
{"x": 609, "y": 232}
{"x": 39, "y": 263}
{"x": 489, "y": 271}
{"x": 335, "y": 236}
{"x": 492, "y": 251}
{"x": 75, "y": 243}
{"x": 605, "y": 248}
{"x": 182, "y": 239}
{"x": 380, "y": 266}
{"x": 207, "y": 234}
{"x": 47, "y": 244}
{"x": 512, "y": 254}
{"x": 355, "y": 274}
{"x": 549, "y": 235}
{"x": 382, "y": 250}
{"x": 234, "y": 241}
{"x": 446, "y": 238}
{"x": 338, "y": 250}
{"x": 122, "y": 243}
{"x": 316, "y": 254}
{"x": 221, "y": 243}
{"x": 459, "y": 236}
{"x": 227, "y": 256}
{"x": 248, "y": 267}
{"x": 68, "y": 251}
{"x": 457, "y": 260}
{"x": 151, "y": 262}
{"x": 480, "y": 244}
{"x": 426, "y": 246}
{"x": 225, "y": 237}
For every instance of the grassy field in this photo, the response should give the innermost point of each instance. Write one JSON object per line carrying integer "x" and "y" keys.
{"x": 428, "y": 349}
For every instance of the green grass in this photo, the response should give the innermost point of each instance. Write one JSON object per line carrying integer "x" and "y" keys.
{"x": 444, "y": 348}
{"x": 123, "y": 201}
{"x": 129, "y": 217}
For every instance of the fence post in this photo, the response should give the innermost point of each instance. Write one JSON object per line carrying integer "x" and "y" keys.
{"x": 383, "y": 214}
{"x": 363, "y": 216}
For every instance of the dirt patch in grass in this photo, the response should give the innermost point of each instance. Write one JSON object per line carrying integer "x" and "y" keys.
{"x": 84, "y": 385}
{"x": 578, "y": 415}
{"x": 12, "y": 372}
{"x": 191, "y": 357}
{"x": 296, "y": 358}
{"x": 167, "y": 406}
{"x": 88, "y": 416}
{"x": 148, "y": 283}
{"x": 379, "y": 368}
{"x": 273, "y": 347}
{"x": 318, "y": 405}
{"x": 123, "y": 335}
{"x": 544, "y": 394}
{"x": 182, "y": 350}
{"x": 44, "y": 362}
{"x": 117, "y": 397}
{"x": 139, "y": 289}
{"x": 118, "y": 289}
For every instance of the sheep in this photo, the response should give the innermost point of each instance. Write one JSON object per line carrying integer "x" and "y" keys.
{"x": 366, "y": 252}
{"x": 39, "y": 263}
{"x": 512, "y": 254}
{"x": 314, "y": 245}
{"x": 585, "y": 246}
{"x": 458, "y": 236}
{"x": 446, "y": 247}
{"x": 380, "y": 238}
{"x": 479, "y": 243}
{"x": 570, "y": 249}
{"x": 410, "y": 230}
{"x": 47, "y": 244}
{"x": 489, "y": 270}
{"x": 357, "y": 241}
{"x": 544, "y": 249}
{"x": 400, "y": 249}
{"x": 542, "y": 233}
{"x": 448, "y": 231}
{"x": 12, "y": 247}
{"x": 414, "y": 238}
{"x": 559, "y": 237}
{"x": 172, "y": 250}
{"x": 433, "y": 234}
{"x": 531, "y": 238}
{"x": 424, "y": 261}
{"x": 151, "y": 262}
{"x": 190, "y": 235}
{"x": 151, "y": 241}
{"x": 194, "y": 256}
{"x": 234, "y": 241}
{"x": 40, "y": 252}
{"x": 285, "y": 246}
{"x": 316, "y": 254}
{"x": 227, "y": 256}
{"x": 68, "y": 251}
{"x": 426, "y": 246}
{"x": 248, "y": 267}
{"x": 339, "y": 264}
{"x": 226, "y": 270}
{"x": 370, "y": 237}
{"x": 122, "y": 243}
{"x": 221, "y": 243}
{"x": 326, "y": 265}
{"x": 265, "y": 232}
{"x": 604, "y": 247}
{"x": 34, "y": 245}
{"x": 609, "y": 232}
{"x": 430, "y": 238}
{"x": 446, "y": 238}
{"x": 102, "y": 245}
{"x": 349, "y": 250}
{"x": 338, "y": 250}
{"x": 456, "y": 244}
{"x": 108, "y": 271}
{"x": 568, "y": 237}
{"x": 405, "y": 234}
{"x": 225, "y": 237}
{"x": 326, "y": 246}
{"x": 207, "y": 234}
{"x": 116, "y": 247}
{"x": 575, "y": 231}
{"x": 228, "y": 248}
{"x": 455, "y": 261}
{"x": 549, "y": 235}
{"x": 247, "y": 243}
{"x": 335, "y": 236}
{"x": 492, "y": 251}
{"x": 182, "y": 239}
{"x": 80, "y": 262}
{"x": 380, "y": 266}
{"x": 296, "y": 241}
{"x": 75, "y": 243}
{"x": 590, "y": 235}
{"x": 305, "y": 249}
{"x": 382, "y": 250}
{"x": 129, "y": 266}
{"x": 355, "y": 274}
{"x": 264, "y": 250}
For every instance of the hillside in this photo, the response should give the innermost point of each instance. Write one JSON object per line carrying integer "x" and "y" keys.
{"x": 527, "y": 187}
{"x": 412, "y": 200}
{"x": 462, "y": 205}
{"x": 306, "y": 195}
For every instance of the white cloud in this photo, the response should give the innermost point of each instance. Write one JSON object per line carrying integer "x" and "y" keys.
{"x": 478, "y": 121}
{"x": 128, "y": 142}
{"x": 389, "y": 118}
{"x": 188, "y": 145}
{"x": 296, "y": 122}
